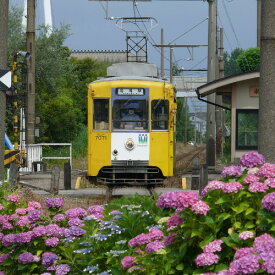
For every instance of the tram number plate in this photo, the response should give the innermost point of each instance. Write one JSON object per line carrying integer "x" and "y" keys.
{"x": 101, "y": 137}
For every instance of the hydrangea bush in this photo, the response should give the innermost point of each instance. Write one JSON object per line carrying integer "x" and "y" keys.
{"x": 228, "y": 230}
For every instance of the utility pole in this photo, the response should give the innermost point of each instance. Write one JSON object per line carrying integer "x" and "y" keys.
{"x": 4, "y": 13}
{"x": 266, "y": 125}
{"x": 219, "y": 110}
{"x": 258, "y": 23}
{"x": 162, "y": 54}
{"x": 30, "y": 114}
{"x": 212, "y": 64}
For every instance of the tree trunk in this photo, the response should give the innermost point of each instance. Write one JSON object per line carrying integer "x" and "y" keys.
{"x": 266, "y": 126}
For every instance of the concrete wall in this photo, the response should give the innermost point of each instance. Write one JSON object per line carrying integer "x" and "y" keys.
{"x": 241, "y": 99}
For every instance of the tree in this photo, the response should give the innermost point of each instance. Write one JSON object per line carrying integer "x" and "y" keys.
{"x": 231, "y": 66}
{"x": 249, "y": 59}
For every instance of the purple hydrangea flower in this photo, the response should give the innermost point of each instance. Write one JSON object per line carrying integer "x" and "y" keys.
{"x": 76, "y": 213}
{"x": 62, "y": 269}
{"x": 248, "y": 264}
{"x": 246, "y": 235}
{"x": 24, "y": 237}
{"x": 232, "y": 187}
{"x": 267, "y": 171}
{"x": 269, "y": 266}
{"x": 48, "y": 258}
{"x": 3, "y": 257}
{"x": 53, "y": 241}
{"x": 232, "y": 170}
{"x": 260, "y": 187}
{"x": 200, "y": 208}
{"x": 34, "y": 215}
{"x": 154, "y": 246}
{"x": 170, "y": 239}
{"x": 54, "y": 202}
{"x": 250, "y": 178}
{"x": 251, "y": 159}
{"x": 204, "y": 259}
{"x": 8, "y": 239}
{"x": 23, "y": 221}
{"x": 264, "y": 246}
{"x": 25, "y": 258}
{"x": 75, "y": 222}
{"x": 59, "y": 217}
{"x": 213, "y": 246}
{"x": 243, "y": 252}
{"x": 174, "y": 220}
{"x": 77, "y": 231}
{"x": 268, "y": 202}
{"x": 127, "y": 262}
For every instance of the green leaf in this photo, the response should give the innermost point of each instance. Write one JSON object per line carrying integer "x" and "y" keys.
{"x": 220, "y": 267}
{"x": 179, "y": 267}
{"x": 237, "y": 225}
{"x": 272, "y": 228}
{"x": 240, "y": 208}
{"x": 222, "y": 200}
{"x": 249, "y": 225}
{"x": 196, "y": 233}
{"x": 223, "y": 216}
{"x": 249, "y": 211}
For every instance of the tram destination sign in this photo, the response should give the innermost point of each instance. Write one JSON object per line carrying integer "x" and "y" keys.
{"x": 130, "y": 91}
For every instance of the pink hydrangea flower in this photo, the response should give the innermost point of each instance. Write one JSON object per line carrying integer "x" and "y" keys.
{"x": 1, "y": 206}
{"x": 127, "y": 262}
{"x": 267, "y": 171}
{"x": 170, "y": 239}
{"x": 174, "y": 220}
{"x": 177, "y": 199}
{"x": 54, "y": 202}
{"x": 232, "y": 170}
{"x": 268, "y": 202}
{"x": 213, "y": 185}
{"x": 270, "y": 182}
{"x": 213, "y": 246}
{"x": 96, "y": 211}
{"x": 232, "y": 187}
{"x": 154, "y": 246}
{"x": 260, "y": 187}
{"x": 264, "y": 246}
{"x": 62, "y": 269}
{"x": 34, "y": 204}
{"x": 250, "y": 178}
{"x": 246, "y": 235}
{"x": 200, "y": 208}
{"x": 3, "y": 257}
{"x": 59, "y": 217}
{"x": 13, "y": 198}
{"x": 251, "y": 159}
{"x": 204, "y": 259}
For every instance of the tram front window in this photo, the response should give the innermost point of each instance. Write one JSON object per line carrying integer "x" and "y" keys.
{"x": 130, "y": 114}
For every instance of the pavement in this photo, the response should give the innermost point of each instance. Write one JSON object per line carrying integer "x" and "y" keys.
{"x": 40, "y": 182}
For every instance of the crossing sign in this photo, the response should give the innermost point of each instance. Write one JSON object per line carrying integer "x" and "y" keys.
{"x": 5, "y": 80}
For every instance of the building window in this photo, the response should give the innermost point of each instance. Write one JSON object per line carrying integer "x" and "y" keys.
{"x": 247, "y": 129}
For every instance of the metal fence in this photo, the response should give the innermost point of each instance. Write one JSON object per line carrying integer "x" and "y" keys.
{"x": 35, "y": 155}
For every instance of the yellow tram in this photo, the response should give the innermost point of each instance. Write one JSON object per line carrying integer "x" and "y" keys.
{"x": 131, "y": 125}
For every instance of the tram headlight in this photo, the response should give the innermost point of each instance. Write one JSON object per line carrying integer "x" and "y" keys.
{"x": 129, "y": 144}
{"x": 115, "y": 152}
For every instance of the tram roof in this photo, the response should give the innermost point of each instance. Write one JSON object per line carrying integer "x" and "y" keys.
{"x": 142, "y": 78}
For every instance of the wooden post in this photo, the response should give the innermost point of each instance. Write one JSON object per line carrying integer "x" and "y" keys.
{"x": 13, "y": 176}
{"x": 203, "y": 177}
{"x": 195, "y": 174}
{"x": 55, "y": 180}
{"x": 67, "y": 176}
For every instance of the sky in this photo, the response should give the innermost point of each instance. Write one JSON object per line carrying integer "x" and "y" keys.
{"x": 183, "y": 22}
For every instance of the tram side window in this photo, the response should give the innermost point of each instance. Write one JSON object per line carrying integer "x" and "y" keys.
{"x": 160, "y": 111}
{"x": 101, "y": 114}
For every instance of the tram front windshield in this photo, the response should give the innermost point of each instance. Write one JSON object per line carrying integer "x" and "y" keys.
{"x": 130, "y": 114}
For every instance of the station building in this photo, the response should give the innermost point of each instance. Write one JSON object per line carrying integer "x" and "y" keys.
{"x": 240, "y": 93}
